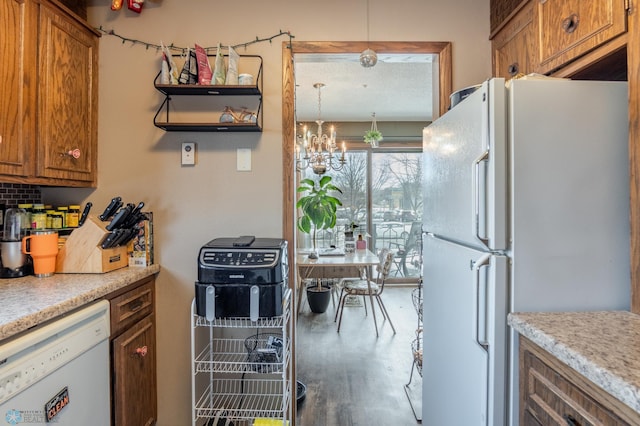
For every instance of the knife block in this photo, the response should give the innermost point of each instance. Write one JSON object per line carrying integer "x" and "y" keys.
{"x": 82, "y": 254}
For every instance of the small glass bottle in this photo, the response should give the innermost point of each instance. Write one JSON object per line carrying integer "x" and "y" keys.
{"x": 63, "y": 210}
{"x": 361, "y": 244}
{"x": 73, "y": 216}
{"x": 50, "y": 214}
{"x": 57, "y": 220}
{"x": 38, "y": 217}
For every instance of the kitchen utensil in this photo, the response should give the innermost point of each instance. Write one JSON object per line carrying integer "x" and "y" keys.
{"x": 113, "y": 206}
{"x": 85, "y": 213}
{"x": 14, "y": 262}
{"x": 120, "y": 218}
{"x": 43, "y": 248}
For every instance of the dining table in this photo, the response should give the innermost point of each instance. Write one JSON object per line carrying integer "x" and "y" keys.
{"x": 336, "y": 264}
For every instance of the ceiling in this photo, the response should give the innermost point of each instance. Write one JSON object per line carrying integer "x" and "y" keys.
{"x": 398, "y": 88}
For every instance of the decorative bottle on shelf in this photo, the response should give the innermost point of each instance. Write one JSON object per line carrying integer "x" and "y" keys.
{"x": 361, "y": 244}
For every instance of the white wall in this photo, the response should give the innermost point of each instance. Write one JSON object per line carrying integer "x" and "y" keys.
{"x": 192, "y": 205}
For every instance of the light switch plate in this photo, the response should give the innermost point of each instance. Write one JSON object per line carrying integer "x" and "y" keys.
{"x": 188, "y": 154}
{"x": 243, "y": 160}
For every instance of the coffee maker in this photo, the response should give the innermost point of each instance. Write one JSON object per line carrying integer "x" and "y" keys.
{"x": 15, "y": 263}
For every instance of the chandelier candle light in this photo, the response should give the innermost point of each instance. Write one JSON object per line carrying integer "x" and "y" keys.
{"x": 317, "y": 151}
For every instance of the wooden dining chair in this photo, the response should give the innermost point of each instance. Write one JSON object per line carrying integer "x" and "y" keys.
{"x": 360, "y": 287}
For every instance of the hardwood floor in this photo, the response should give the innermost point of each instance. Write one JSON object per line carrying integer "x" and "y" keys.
{"x": 352, "y": 377}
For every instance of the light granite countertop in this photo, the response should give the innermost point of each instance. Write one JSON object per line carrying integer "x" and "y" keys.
{"x": 29, "y": 301}
{"x": 602, "y": 346}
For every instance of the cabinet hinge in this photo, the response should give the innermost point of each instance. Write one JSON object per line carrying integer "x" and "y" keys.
{"x": 628, "y": 6}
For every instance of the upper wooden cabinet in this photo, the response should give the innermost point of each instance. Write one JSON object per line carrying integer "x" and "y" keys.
{"x": 570, "y": 28}
{"x": 543, "y": 36}
{"x": 48, "y": 113}
{"x": 17, "y": 85}
{"x": 515, "y": 47}
{"x": 67, "y": 98}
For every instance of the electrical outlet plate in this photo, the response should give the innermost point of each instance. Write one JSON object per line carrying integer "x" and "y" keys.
{"x": 188, "y": 154}
{"x": 243, "y": 160}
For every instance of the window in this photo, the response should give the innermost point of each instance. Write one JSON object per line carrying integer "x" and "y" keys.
{"x": 382, "y": 196}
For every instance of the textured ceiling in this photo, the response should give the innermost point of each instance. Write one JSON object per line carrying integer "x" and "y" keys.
{"x": 397, "y": 88}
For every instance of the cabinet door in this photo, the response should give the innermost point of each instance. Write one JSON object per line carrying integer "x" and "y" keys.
{"x": 515, "y": 47}
{"x": 67, "y": 102}
{"x": 17, "y": 85}
{"x": 134, "y": 371}
{"x": 570, "y": 28}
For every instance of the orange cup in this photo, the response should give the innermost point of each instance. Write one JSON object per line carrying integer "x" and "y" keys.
{"x": 43, "y": 248}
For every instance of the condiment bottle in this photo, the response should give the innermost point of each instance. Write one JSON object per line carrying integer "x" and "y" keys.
{"x": 63, "y": 210}
{"x": 57, "y": 220}
{"x": 38, "y": 217}
{"x": 50, "y": 214}
{"x": 73, "y": 216}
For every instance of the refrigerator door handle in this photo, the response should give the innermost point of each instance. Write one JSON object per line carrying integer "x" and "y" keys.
{"x": 477, "y": 192}
{"x": 481, "y": 314}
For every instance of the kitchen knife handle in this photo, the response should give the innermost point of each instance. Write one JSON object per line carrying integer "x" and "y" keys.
{"x": 477, "y": 192}
{"x": 480, "y": 335}
{"x": 111, "y": 208}
{"x": 108, "y": 240}
{"x": 85, "y": 213}
{"x": 118, "y": 219}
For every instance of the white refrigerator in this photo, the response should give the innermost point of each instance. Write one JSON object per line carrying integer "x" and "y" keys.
{"x": 526, "y": 194}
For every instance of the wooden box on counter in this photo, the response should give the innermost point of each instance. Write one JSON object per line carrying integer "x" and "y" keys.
{"x": 82, "y": 254}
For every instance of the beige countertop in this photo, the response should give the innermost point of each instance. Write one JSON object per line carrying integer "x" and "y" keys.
{"x": 29, "y": 301}
{"x": 602, "y": 346}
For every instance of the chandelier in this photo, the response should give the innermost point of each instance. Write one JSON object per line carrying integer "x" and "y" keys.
{"x": 319, "y": 151}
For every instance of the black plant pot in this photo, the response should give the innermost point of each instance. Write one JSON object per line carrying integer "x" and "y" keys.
{"x": 318, "y": 298}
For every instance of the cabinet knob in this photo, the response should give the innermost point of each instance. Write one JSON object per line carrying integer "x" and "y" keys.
{"x": 513, "y": 69}
{"x": 142, "y": 351}
{"x": 570, "y": 24}
{"x": 75, "y": 153}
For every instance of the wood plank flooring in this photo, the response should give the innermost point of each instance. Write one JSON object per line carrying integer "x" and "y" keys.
{"x": 352, "y": 377}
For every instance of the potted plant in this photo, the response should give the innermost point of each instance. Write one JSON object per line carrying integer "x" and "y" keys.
{"x": 373, "y": 137}
{"x": 319, "y": 209}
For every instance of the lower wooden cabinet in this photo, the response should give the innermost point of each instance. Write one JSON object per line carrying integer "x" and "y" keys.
{"x": 133, "y": 356}
{"x": 551, "y": 393}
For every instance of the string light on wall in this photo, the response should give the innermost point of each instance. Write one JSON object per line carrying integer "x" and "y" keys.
{"x": 319, "y": 151}
{"x": 183, "y": 50}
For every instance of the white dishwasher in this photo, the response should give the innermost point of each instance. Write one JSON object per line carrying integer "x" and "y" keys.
{"x": 59, "y": 372}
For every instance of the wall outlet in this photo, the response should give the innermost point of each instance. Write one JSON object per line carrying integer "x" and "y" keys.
{"x": 188, "y": 154}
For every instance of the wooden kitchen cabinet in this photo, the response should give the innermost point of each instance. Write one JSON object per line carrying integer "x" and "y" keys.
{"x": 49, "y": 81}
{"x": 133, "y": 355}
{"x": 545, "y": 36}
{"x": 570, "y": 28}
{"x": 17, "y": 85}
{"x": 67, "y": 98}
{"x": 551, "y": 393}
{"x": 515, "y": 47}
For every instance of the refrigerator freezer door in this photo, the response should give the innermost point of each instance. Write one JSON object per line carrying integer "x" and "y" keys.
{"x": 464, "y": 171}
{"x": 464, "y": 335}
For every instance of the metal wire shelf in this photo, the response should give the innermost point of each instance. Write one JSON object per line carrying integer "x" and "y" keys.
{"x": 231, "y": 356}
{"x": 238, "y": 399}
